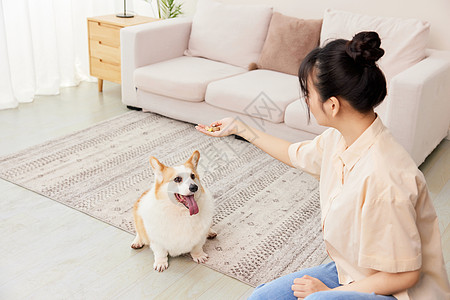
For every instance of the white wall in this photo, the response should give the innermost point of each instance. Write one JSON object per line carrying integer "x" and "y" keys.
{"x": 437, "y": 12}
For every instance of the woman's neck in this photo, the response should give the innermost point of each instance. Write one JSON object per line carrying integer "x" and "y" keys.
{"x": 354, "y": 125}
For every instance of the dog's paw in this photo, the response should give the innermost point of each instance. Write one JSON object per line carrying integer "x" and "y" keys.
{"x": 211, "y": 234}
{"x": 200, "y": 257}
{"x": 137, "y": 244}
{"x": 161, "y": 265}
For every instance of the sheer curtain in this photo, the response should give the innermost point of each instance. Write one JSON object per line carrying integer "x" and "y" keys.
{"x": 43, "y": 44}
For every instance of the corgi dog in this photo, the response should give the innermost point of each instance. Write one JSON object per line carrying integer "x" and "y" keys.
{"x": 175, "y": 216}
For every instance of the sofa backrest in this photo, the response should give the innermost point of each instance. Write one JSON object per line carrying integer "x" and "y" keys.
{"x": 233, "y": 34}
{"x": 403, "y": 40}
{"x": 434, "y": 11}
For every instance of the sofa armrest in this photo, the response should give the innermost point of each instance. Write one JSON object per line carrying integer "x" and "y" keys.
{"x": 418, "y": 111}
{"x": 147, "y": 44}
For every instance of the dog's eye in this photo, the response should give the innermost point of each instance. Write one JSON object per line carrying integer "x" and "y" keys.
{"x": 193, "y": 176}
{"x": 178, "y": 179}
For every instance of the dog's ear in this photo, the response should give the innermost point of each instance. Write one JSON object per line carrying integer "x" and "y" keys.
{"x": 158, "y": 168}
{"x": 193, "y": 160}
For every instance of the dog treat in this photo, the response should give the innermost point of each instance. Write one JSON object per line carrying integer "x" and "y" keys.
{"x": 212, "y": 129}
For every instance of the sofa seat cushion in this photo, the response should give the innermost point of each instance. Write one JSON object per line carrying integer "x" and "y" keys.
{"x": 184, "y": 78}
{"x": 296, "y": 116}
{"x": 262, "y": 94}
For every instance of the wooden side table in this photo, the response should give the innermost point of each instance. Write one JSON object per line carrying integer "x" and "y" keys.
{"x": 104, "y": 45}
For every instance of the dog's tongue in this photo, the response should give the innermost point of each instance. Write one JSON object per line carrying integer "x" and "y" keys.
{"x": 193, "y": 208}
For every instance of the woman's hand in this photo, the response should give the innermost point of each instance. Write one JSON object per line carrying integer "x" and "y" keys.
{"x": 307, "y": 285}
{"x": 276, "y": 147}
{"x": 225, "y": 127}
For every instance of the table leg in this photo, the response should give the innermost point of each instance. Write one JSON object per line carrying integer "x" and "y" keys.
{"x": 100, "y": 85}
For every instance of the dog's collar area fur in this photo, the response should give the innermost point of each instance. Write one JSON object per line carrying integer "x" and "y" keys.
{"x": 189, "y": 202}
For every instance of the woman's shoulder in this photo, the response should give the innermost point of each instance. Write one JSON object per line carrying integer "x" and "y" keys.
{"x": 393, "y": 172}
{"x": 331, "y": 136}
{"x": 392, "y": 155}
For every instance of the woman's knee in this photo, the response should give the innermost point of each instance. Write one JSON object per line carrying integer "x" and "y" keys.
{"x": 280, "y": 288}
{"x": 345, "y": 295}
{"x": 271, "y": 293}
{"x": 328, "y": 295}
{"x": 258, "y": 293}
{"x": 316, "y": 296}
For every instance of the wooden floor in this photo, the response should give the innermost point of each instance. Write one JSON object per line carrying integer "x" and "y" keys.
{"x": 49, "y": 251}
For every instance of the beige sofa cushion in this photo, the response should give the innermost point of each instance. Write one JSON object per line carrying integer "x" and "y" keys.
{"x": 262, "y": 94}
{"x": 229, "y": 33}
{"x": 403, "y": 40}
{"x": 296, "y": 116}
{"x": 288, "y": 41}
{"x": 184, "y": 78}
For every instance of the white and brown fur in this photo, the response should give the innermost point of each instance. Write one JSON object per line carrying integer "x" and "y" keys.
{"x": 167, "y": 226}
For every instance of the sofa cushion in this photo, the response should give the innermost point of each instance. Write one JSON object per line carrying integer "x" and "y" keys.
{"x": 262, "y": 94}
{"x": 403, "y": 40}
{"x": 288, "y": 41}
{"x": 296, "y": 116}
{"x": 184, "y": 78}
{"x": 229, "y": 33}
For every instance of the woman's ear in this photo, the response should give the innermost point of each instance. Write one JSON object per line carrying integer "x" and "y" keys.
{"x": 334, "y": 106}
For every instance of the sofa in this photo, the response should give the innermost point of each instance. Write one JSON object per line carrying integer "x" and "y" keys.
{"x": 233, "y": 60}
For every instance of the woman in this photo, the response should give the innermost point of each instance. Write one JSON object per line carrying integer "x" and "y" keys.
{"x": 379, "y": 224}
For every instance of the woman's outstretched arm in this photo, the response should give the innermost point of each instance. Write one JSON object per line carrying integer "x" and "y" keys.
{"x": 274, "y": 146}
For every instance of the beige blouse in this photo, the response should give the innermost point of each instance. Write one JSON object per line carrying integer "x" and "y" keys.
{"x": 377, "y": 214}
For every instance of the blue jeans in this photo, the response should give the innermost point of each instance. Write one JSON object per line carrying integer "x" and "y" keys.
{"x": 280, "y": 288}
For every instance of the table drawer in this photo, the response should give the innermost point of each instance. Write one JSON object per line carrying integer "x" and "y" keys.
{"x": 105, "y": 70}
{"x": 107, "y": 34}
{"x": 104, "y": 52}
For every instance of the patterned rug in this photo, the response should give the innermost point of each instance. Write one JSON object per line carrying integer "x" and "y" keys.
{"x": 267, "y": 214}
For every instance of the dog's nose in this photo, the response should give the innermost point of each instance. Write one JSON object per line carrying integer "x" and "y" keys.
{"x": 193, "y": 187}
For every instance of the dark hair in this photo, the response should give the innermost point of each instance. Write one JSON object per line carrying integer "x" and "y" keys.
{"x": 346, "y": 69}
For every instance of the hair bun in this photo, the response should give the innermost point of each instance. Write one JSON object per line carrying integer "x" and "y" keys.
{"x": 364, "y": 48}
